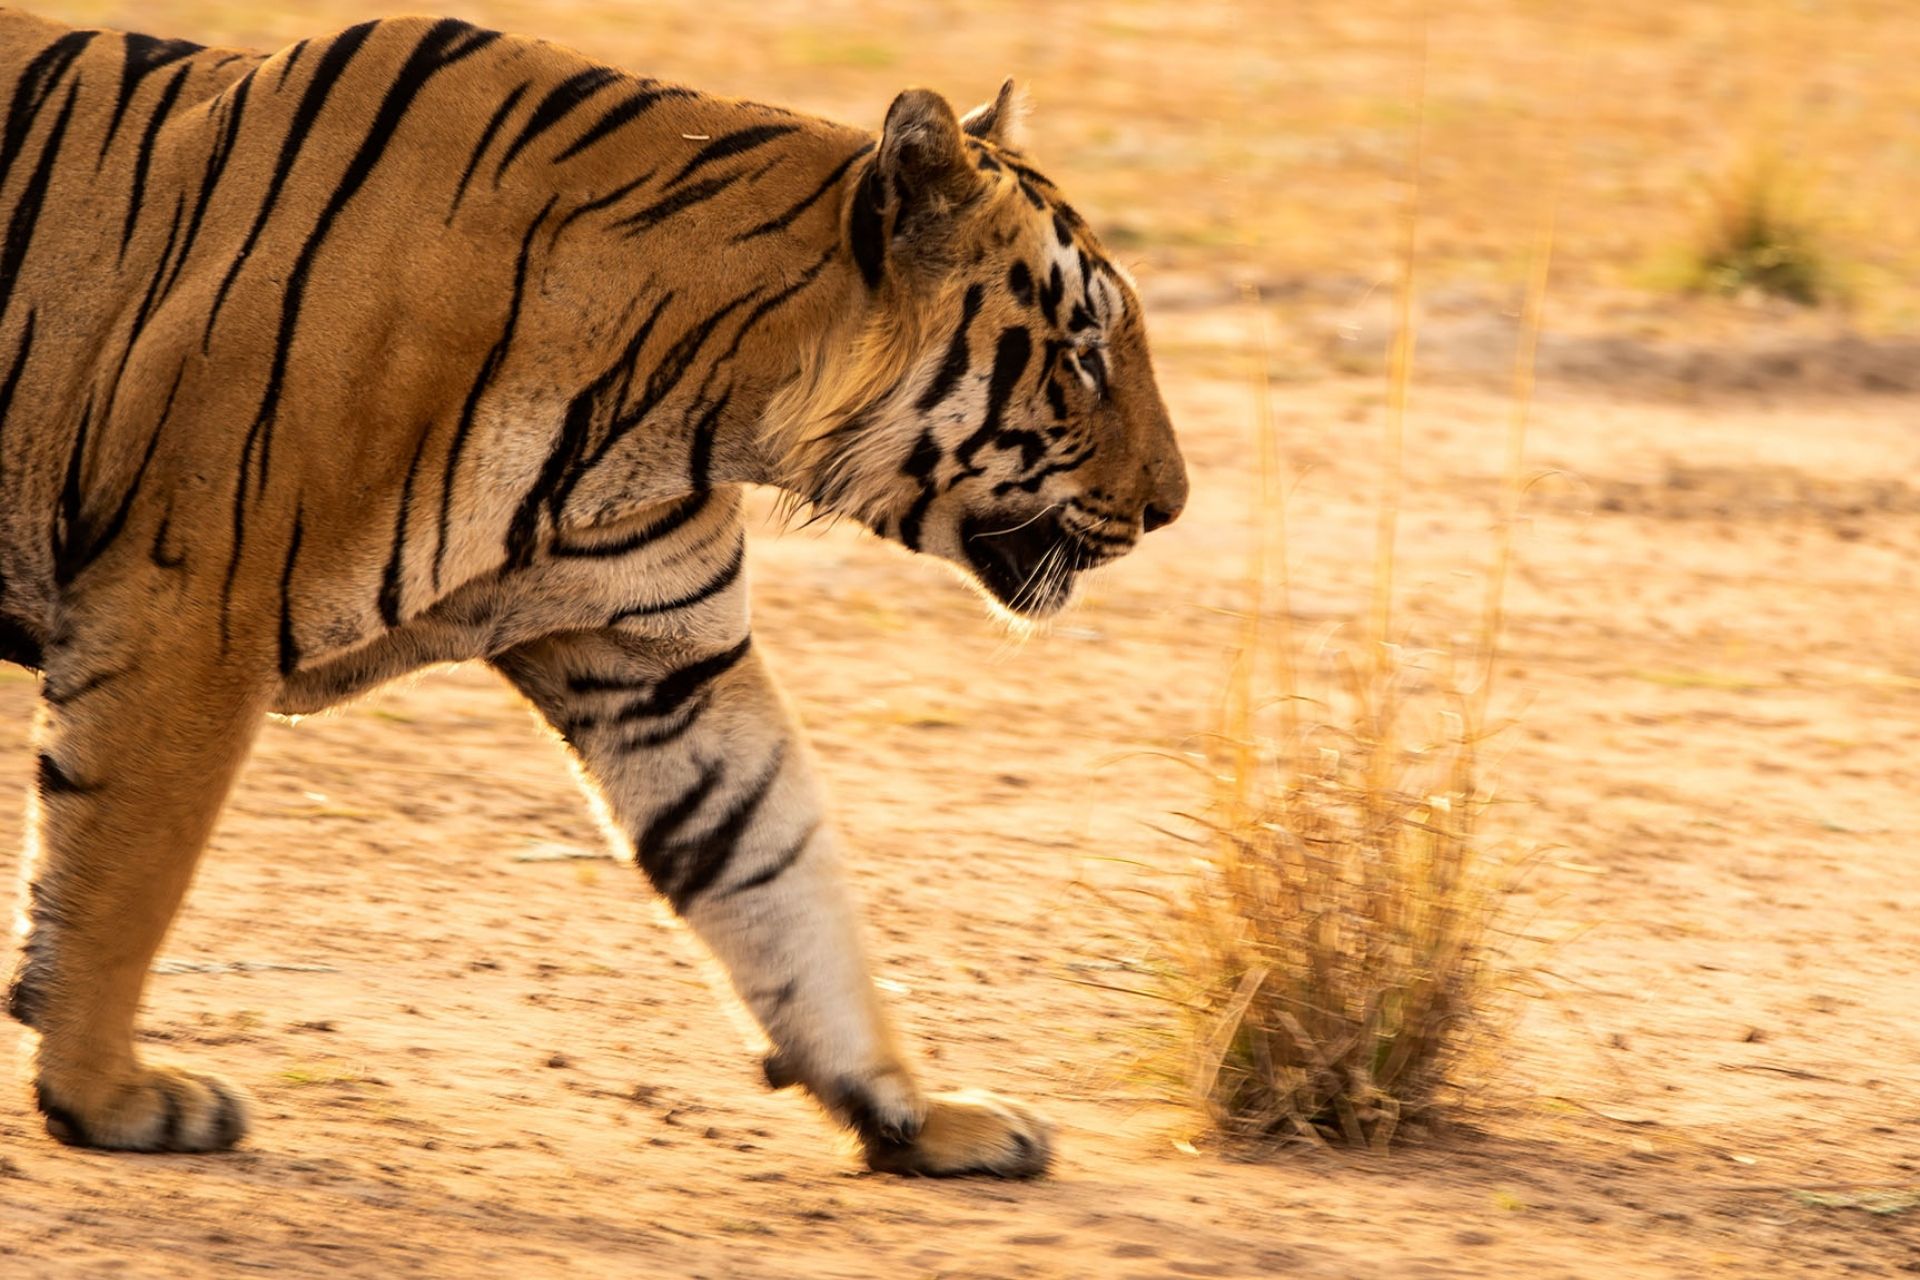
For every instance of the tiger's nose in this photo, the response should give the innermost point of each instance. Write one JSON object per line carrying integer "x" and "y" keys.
{"x": 1167, "y": 499}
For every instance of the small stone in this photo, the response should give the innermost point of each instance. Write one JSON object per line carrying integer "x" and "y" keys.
{"x": 559, "y": 1060}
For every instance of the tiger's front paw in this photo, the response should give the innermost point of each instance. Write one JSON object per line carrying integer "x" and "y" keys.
{"x": 970, "y": 1132}
{"x": 153, "y": 1109}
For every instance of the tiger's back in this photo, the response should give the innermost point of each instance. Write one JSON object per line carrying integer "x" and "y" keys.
{"x": 210, "y": 253}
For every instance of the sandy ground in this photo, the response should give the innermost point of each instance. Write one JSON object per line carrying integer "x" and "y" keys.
{"x": 475, "y": 1057}
{"x": 479, "y": 1050}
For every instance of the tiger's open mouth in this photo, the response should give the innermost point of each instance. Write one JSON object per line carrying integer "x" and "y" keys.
{"x": 1031, "y": 566}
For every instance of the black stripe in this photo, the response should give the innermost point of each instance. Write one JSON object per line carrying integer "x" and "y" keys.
{"x": 700, "y": 453}
{"x": 390, "y": 584}
{"x": 958, "y": 356}
{"x": 146, "y": 308}
{"x": 9, "y": 644}
{"x": 699, "y": 861}
{"x": 496, "y": 356}
{"x": 731, "y": 144}
{"x": 1032, "y": 483}
{"x": 37, "y": 83}
{"x": 97, "y": 544}
{"x": 1050, "y": 295}
{"x": 779, "y": 866}
{"x": 436, "y": 51}
{"x": 486, "y": 140}
{"x": 685, "y": 198}
{"x": 661, "y": 383}
{"x": 661, "y": 735}
{"x": 286, "y": 68}
{"x": 571, "y": 443}
{"x": 706, "y": 591}
{"x": 916, "y": 516}
{"x": 158, "y": 553}
{"x": 783, "y": 220}
{"x": 777, "y": 300}
{"x": 55, "y": 781}
{"x": 560, "y": 102}
{"x": 67, "y": 511}
{"x": 55, "y": 696}
{"x": 654, "y": 844}
{"x": 1027, "y": 172}
{"x": 1032, "y": 446}
{"x": 675, "y": 517}
{"x": 1020, "y": 281}
{"x": 1010, "y": 358}
{"x": 144, "y": 56}
{"x": 621, "y": 113}
{"x": 143, "y": 159}
{"x": 289, "y": 651}
{"x": 217, "y": 158}
{"x": 612, "y": 197}
{"x": 26, "y": 213}
{"x": 12, "y": 383}
{"x": 333, "y": 65}
{"x": 867, "y": 229}
{"x": 677, "y": 688}
{"x": 920, "y": 464}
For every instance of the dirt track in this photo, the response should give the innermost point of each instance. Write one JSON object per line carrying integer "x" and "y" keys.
{"x": 475, "y": 1054}
{"x": 472, "y": 1057}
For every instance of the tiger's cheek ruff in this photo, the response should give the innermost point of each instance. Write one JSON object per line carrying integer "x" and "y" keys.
{"x": 1012, "y": 448}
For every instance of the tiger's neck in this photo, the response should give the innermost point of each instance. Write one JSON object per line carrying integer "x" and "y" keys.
{"x": 684, "y": 269}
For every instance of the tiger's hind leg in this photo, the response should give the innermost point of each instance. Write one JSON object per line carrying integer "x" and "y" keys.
{"x": 705, "y": 775}
{"x": 136, "y": 753}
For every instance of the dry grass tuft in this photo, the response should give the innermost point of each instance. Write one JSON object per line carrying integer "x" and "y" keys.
{"x": 1758, "y": 236}
{"x": 1332, "y": 952}
{"x": 1333, "y": 955}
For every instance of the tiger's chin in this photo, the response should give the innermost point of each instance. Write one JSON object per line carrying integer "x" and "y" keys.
{"x": 1030, "y": 567}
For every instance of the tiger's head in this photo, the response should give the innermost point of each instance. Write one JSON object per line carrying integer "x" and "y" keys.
{"x": 995, "y": 406}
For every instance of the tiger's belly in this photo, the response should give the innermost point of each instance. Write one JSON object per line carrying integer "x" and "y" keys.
{"x": 671, "y": 574}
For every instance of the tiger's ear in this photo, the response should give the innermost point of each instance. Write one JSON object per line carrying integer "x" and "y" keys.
{"x": 998, "y": 121}
{"x": 922, "y": 154}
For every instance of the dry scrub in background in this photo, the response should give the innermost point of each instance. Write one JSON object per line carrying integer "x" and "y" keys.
{"x": 1333, "y": 955}
{"x": 1758, "y": 236}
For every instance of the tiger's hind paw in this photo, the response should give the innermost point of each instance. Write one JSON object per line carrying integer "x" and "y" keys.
{"x": 155, "y": 1109}
{"x": 973, "y": 1132}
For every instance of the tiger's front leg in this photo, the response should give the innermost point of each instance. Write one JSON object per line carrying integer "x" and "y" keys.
{"x": 141, "y": 730}
{"x": 707, "y": 781}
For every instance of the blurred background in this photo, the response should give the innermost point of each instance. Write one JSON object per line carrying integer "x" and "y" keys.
{"x": 1220, "y": 143}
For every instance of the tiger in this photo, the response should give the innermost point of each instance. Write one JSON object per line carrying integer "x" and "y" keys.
{"x": 420, "y": 343}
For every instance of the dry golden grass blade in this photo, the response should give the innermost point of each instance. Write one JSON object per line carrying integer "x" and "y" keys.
{"x": 1332, "y": 956}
